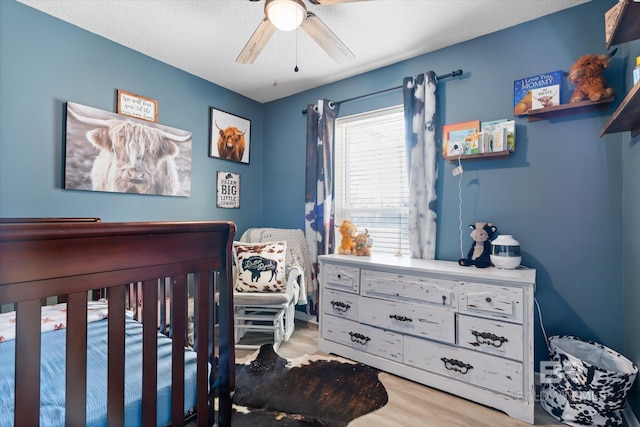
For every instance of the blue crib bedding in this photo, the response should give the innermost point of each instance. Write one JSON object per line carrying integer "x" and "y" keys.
{"x": 52, "y": 377}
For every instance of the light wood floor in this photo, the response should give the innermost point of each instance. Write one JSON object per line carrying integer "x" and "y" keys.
{"x": 410, "y": 404}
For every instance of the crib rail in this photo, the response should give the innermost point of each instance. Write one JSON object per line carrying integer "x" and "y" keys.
{"x": 70, "y": 258}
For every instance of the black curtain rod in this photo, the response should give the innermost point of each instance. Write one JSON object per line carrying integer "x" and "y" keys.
{"x": 444, "y": 76}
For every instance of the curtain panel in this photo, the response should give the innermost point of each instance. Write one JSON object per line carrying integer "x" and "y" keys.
{"x": 319, "y": 186}
{"x": 419, "y": 95}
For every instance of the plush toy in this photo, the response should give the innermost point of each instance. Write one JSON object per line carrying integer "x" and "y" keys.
{"x": 348, "y": 231}
{"x": 586, "y": 74}
{"x": 362, "y": 243}
{"x": 479, "y": 254}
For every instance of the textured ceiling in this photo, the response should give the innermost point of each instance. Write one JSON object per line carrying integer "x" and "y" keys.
{"x": 204, "y": 37}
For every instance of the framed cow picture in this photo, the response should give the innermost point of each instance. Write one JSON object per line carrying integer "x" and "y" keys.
{"x": 110, "y": 152}
{"x": 229, "y": 136}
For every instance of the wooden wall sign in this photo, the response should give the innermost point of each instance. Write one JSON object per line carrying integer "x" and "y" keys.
{"x": 228, "y": 190}
{"x": 140, "y": 107}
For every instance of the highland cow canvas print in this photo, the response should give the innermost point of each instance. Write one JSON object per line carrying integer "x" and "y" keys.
{"x": 110, "y": 152}
{"x": 230, "y": 136}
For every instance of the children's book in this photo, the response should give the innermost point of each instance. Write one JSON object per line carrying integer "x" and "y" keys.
{"x": 503, "y": 134}
{"x": 535, "y": 92}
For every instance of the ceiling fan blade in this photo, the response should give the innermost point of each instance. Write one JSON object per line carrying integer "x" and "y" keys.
{"x": 333, "y": 1}
{"x": 257, "y": 42}
{"x": 327, "y": 40}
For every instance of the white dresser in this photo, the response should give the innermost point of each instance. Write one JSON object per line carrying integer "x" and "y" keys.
{"x": 464, "y": 330}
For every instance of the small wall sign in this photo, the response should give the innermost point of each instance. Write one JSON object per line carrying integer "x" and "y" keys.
{"x": 228, "y": 190}
{"x": 140, "y": 107}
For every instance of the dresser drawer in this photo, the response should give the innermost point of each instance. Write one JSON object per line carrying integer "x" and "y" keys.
{"x": 362, "y": 337}
{"x": 498, "y": 302}
{"x": 501, "y": 375}
{"x": 338, "y": 276}
{"x": 342, "y": 304}
{"x": 407, "y": 287}
{"x": 491, "y": 336}
{"x": 427, "y": 321}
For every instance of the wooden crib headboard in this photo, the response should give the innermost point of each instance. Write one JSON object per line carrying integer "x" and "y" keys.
{"x": 69, "y": 257}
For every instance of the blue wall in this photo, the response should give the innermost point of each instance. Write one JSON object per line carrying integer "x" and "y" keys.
{"x": 570, "y": 197}
{"x": 45, "y": 62}
{"x": 560, "y": 194}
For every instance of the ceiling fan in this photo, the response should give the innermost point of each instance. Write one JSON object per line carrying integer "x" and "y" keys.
{"x": 288, "y": 15}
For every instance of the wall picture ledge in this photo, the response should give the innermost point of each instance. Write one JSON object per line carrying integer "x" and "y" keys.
{"x": 229, "y": 136}
{"x": 140, "y": 107}
{"x": 228, "y": 190}
{"x": 105, "y": 151}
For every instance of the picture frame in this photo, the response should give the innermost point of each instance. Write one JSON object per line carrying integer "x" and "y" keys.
{"x": 140, "y": 107}
{"x": 229, "y": 136}
{"x": 90, "y": 160}
{"x": 228, "y": 190}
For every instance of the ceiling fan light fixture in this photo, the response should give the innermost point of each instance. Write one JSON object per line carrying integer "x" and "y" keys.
{"x": 285, "y": 15}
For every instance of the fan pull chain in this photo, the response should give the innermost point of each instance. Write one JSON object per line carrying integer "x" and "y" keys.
{"x": 296, "y": 69}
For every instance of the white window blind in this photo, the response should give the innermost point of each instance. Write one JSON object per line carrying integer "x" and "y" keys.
{"x": 371, "y": 183}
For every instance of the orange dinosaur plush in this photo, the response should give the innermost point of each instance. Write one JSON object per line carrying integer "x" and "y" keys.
{"x": 586, "y": 74}
{"x": 348, "y": 231}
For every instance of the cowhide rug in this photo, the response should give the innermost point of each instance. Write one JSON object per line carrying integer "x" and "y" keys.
{"x": 305, "y": 391}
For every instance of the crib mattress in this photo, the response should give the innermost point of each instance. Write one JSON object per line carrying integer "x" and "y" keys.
{"x": 52, "y": 377}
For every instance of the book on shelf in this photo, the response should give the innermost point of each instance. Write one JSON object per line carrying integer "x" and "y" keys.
{"x": 535, "y": 92}
{"x": 458, "y": 138}
{"x": 502, "y": 134}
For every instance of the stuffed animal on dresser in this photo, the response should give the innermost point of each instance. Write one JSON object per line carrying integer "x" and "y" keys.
{"x": 362, "y": 244}
{"x": 479, "y": 255}
{"x": 348, "y": 230}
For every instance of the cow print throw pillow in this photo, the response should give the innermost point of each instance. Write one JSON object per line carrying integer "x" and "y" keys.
{"x": 260, "y": 266}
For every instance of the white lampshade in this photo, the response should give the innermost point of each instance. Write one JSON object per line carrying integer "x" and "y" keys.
{"x": 285, "y": 15}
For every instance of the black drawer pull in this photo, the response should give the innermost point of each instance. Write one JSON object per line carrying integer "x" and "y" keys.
{"x": 340, "y": 306}
{"x": 359, "y": 338}
{"x": 488, "y": 299}
{"x": 456, "y": 365}
{"x": 489, "y": 339}
{"x": 400, "y": 318}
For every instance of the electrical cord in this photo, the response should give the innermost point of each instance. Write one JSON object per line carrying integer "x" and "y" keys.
{"x": 460, "y": 204}
{"x": 546, "y": 340}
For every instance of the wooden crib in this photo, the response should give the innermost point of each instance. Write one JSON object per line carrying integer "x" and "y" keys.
{"x": 142, "y": 269}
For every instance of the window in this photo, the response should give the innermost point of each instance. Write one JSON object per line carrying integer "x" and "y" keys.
{"x": 371, "y": 183}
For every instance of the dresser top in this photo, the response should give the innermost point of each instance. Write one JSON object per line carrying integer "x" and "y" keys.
{"x": 437, "y": 267}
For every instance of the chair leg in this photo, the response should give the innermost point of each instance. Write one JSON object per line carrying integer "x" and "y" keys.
{"x": 289, "y": 322}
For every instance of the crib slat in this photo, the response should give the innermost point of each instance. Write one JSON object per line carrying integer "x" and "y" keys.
{"x": 149, "y": 351}
{"x": 27, "y": 403}
{"x": 115, "y": 363}
{"x": 76, "y": 377}
{"x": 178, "y": 322}
{"x": 202, "y": 334}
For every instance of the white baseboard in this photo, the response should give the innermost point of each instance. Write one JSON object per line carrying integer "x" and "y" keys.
{"x": 299, "y": 315}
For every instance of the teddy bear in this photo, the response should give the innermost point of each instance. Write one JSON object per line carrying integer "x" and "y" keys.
{"x": 479, "y": 254}
{"x": 362, "y": 244}
{"x": 586, "y": 74}
{"x": 348, "y": 231}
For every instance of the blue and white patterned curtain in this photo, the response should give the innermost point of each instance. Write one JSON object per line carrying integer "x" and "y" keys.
{"x": 419, "y": 95}
{"x": 319, "y": 208}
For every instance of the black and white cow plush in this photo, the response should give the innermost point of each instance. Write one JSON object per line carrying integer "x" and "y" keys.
{"x": 479, "y": 254}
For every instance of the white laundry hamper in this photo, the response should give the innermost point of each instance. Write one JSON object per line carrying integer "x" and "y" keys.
{"x": 590, "y": 383}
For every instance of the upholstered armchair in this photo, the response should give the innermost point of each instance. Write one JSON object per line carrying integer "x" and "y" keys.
{"x": 272, "y": 268}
